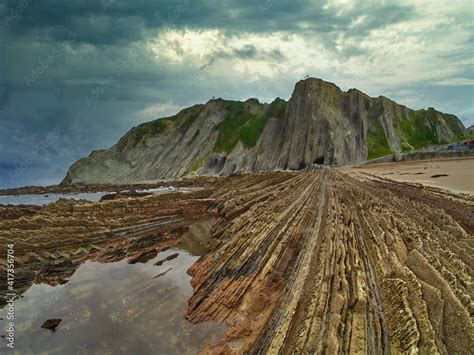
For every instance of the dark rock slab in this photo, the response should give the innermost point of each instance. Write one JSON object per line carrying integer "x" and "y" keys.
{"x": 51, "y": 324}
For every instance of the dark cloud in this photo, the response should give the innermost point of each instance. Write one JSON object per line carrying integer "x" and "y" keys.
{"x": 5, "y": 94}
{"x": 249, "y": 51}
{"x": 121, "y": 21}
{"x": 66, "y": 66}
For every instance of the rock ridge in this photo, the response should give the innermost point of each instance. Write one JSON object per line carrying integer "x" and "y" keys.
{"x": 319, "y": 124}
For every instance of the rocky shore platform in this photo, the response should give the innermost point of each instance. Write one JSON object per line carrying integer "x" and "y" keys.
{"x": 324, "y": 261}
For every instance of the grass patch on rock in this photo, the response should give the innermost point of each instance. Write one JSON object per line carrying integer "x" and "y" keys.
{"x": 419, "y": 128}
{"x": 241, "y": 124}
{"x": 198, "y": 164}
{"x": 377, "y": 143}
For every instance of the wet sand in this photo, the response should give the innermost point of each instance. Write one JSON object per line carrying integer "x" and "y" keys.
{"x": 456, "y": 175}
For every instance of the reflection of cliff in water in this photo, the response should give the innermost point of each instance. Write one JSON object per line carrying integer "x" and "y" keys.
{"x": 118, "y": 307}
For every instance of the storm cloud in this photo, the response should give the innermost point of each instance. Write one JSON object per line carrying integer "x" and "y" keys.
{"x": 76, "y": 75}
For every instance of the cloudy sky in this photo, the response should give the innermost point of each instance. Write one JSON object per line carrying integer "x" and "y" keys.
{"x": 75, "y": 75}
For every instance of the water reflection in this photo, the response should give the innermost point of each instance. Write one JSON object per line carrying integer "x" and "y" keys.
{"x": 114, "y": 308}
{"x": 44, "y": 199}
{"x": 40, "y": 200}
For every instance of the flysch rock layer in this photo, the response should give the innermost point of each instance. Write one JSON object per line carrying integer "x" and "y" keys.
{"x": 307, "y": 262}
{"x": 328, "y": 263}
{"x": 319, "y": 124}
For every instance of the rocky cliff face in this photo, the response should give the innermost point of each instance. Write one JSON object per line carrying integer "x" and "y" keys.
{"x": 320, "y": 124}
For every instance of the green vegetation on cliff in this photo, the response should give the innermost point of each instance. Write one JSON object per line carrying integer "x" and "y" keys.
{"x": 419, "y": 129}
{"x": 453, "y": 124}
{"x": 189, "y": 121}
{"x": 183, "y": 119}
{"x": 278, "y": 109}
{"x": 154, "y": 127}
{"x": 229, "y": 128}
{"x": 252, "y": 130}
{"x": 246, "y": 126}
{"x": 377, "y": 143}
{"x": 198, "y": 164}
{"x": 415, "y": 130}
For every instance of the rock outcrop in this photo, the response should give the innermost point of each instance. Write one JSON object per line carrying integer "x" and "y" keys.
{"x": 326, "y": 261}
{"x": 320, "y": 124}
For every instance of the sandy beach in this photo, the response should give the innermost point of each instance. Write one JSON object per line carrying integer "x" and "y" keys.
{"x": 456, "y": 175}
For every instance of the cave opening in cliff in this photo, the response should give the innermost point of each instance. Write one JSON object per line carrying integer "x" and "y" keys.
{"x": 319, "y": 161}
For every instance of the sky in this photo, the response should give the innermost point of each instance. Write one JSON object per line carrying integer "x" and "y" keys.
{"x": 76, "y": 75}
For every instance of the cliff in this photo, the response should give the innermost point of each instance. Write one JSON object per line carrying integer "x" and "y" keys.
{"x": 320, "y": 124}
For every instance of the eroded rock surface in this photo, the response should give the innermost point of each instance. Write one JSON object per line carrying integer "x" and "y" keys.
{"x": 323, "y": 262}
{"x": 52, "y": 241}
{"x": 320, "y": 261}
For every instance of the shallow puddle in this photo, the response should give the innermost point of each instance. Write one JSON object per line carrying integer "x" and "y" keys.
{"x": 116, "y": 308}
{"x": 48, "y": 198}
{"x": 40, "y": 200}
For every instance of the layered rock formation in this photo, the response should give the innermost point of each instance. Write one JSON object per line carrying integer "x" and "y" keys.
{"x": 320, "y": 124}
{"x": 53, "y": 240}
{"x": 307, "y": 262}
